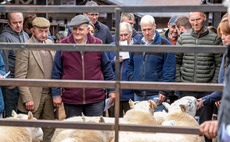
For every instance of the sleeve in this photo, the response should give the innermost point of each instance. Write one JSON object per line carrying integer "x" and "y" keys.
{"x": 107, "y": 69}
{"x": 111, "y": 56}
{"x": 179, "y": 57}
{"x": 130, "y": 69}
{"x": 21, "y": 71}
{"x": 2, "y": 68}
{"x": 216, "y": 96}
{"x": 57, "y": 73}
{"x": 109, "y": 38}
{"x": 169, "y": 69}
{"x": 217, "y": 61}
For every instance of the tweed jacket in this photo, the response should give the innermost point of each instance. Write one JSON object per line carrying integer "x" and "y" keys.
{"x": 29, "y": 66}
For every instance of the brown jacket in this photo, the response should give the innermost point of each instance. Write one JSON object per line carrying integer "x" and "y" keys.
{"x": 29, "y": 66}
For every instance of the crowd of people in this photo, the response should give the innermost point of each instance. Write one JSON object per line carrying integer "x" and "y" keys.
{"x": 134, "y": 66}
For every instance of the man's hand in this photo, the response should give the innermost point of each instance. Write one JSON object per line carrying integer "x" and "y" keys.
{"x": 200, "y": 101}
{"x": 112, "y": 96}
{"x": 30, "y": 105}
{"x": 57, "y": 101}
{"x": 218, "y": 103}
{"x": 209, "y": 128}
{"x": 161, "y": 98}
{"x": 120, "y": 59}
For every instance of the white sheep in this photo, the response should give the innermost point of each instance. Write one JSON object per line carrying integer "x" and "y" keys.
{"x": 20, "y": 134}
{"x": 79, "y": 135}
{"x": 141, "y": 113}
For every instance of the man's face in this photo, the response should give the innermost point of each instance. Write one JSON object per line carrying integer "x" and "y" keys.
{"x": 229, "y": 18}
{"x": 41, "y": 34}
{"x": 148, "y": 30}
{"x": 93, "y": 17}
{"x": 197, "y": 21}
{"x": 125, "y": 34}
{"x": 172, "y": 31}
{"x": 16, "y": 22}
{"x": 130, "y": 21}
{"x": 80, "y": 32}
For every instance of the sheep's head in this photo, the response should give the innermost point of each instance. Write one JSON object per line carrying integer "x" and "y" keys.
{"x": 147, "y": 106}
{"x": 36, "y": 132}
{"x": 186, "y": 104}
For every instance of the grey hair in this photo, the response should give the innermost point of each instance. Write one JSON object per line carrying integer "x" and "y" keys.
{"x": 130, "y": 16}
{"x": 91, "y": 3}
{"x": 127, "y": 25}
{"x": 227, "y": 4}
{"x": 9, "y": 15}
{"x": 147, "y": 19}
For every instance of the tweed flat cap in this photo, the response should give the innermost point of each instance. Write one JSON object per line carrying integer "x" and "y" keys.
{"x": 78, "y": 20}
{"x": 41, "y": 22}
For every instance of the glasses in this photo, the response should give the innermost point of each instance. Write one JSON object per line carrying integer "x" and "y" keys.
{"x": 92, "y": 15}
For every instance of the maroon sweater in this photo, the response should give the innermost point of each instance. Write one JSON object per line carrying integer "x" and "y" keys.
{"x": 83, "y": 66}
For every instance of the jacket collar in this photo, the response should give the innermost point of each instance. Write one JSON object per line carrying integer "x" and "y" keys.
{"x": 206, "y": 31}
{"x": 91, "y": 39}
{"x": 157, "y": 39}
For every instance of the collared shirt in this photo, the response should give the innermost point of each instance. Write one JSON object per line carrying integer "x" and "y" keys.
{"x": 145, "y": 42}
{"x": 36, "y": 41}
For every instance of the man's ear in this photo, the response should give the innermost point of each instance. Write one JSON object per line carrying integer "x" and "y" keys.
{"x": 168, "y": 25}
{"x": 84, "y": 14}
{"x": 32, "y": 31}
{"x": 155, "y": 26}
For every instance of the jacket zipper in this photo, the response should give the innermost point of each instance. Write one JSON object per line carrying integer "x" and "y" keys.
{"x": 122, "y": 64}
{"x": 195, "y": 61}
{"x": 143, "y": 71}
{"x": 83, "y": 74}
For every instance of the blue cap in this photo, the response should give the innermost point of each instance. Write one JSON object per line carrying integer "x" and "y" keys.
{"x": 172, "y": 20}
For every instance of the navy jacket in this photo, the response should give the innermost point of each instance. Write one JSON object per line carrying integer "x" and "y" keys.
{"x": 125, "y": 94}
{"x": 150, "y": 66}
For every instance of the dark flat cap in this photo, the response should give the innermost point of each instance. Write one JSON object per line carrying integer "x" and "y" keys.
{"x": 41, "y": 22}
{"x": 172, "y": 20}
{"x": 79, "y": 20}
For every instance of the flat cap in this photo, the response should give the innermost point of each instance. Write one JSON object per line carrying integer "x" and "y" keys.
{"x": 78, "y": 20}
{"x": 172, "y": 20}
{"x": 41, "y": 22}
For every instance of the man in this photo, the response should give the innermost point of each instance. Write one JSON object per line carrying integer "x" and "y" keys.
{"x": 36, "y": 65}
{"x": 81, "y": 66}
{"x": 12, "y": 33}
{"x": 126, "y": 95}
{"x": 198, "y": 67}
{"x": 129, "y": 17}
{"x": 182, "y": 24}
{"x": 101, "y": 30}
{"x": 150, "y": 66}
{"x": 171, "y": 33}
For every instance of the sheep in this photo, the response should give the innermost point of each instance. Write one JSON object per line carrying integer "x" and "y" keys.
{"x": 141, "y": 113}
{"x": 180, "y": 113}
{"x": 73, "y": 135}
{"x": 21, "y": 134}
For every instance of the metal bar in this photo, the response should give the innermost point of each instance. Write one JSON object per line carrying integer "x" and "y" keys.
{"x": 109, "y": 8}
{"x": 171, "y": 86}
{"x": 160, "y": 129}
{"x": 98, "y": 126}
{"x": 108, "y": 47}
{"x": 117, "y": 74}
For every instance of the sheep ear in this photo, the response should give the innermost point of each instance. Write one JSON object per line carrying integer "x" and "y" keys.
{"x": 131, "y": 104}
{"x": 152, "y": 104}
{"x": 30, "y": 115}
{"x": 14, "y": 114}
{"x": 182, "y": 107}
{"x": 101, "y": 120}
{"x": 166, "y": 105}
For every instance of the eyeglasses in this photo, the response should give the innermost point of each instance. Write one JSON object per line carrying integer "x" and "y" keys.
{"x": 92, "y": 15}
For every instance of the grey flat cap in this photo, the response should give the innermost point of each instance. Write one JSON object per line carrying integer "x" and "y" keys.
{"x": 172, "y": 20}
{"x": 78, "y": 20}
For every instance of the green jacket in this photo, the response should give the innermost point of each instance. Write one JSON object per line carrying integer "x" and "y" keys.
{"x": 198, "y": 67}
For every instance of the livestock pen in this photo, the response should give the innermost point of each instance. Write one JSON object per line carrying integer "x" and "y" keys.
{"x": 117, "y": 84}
